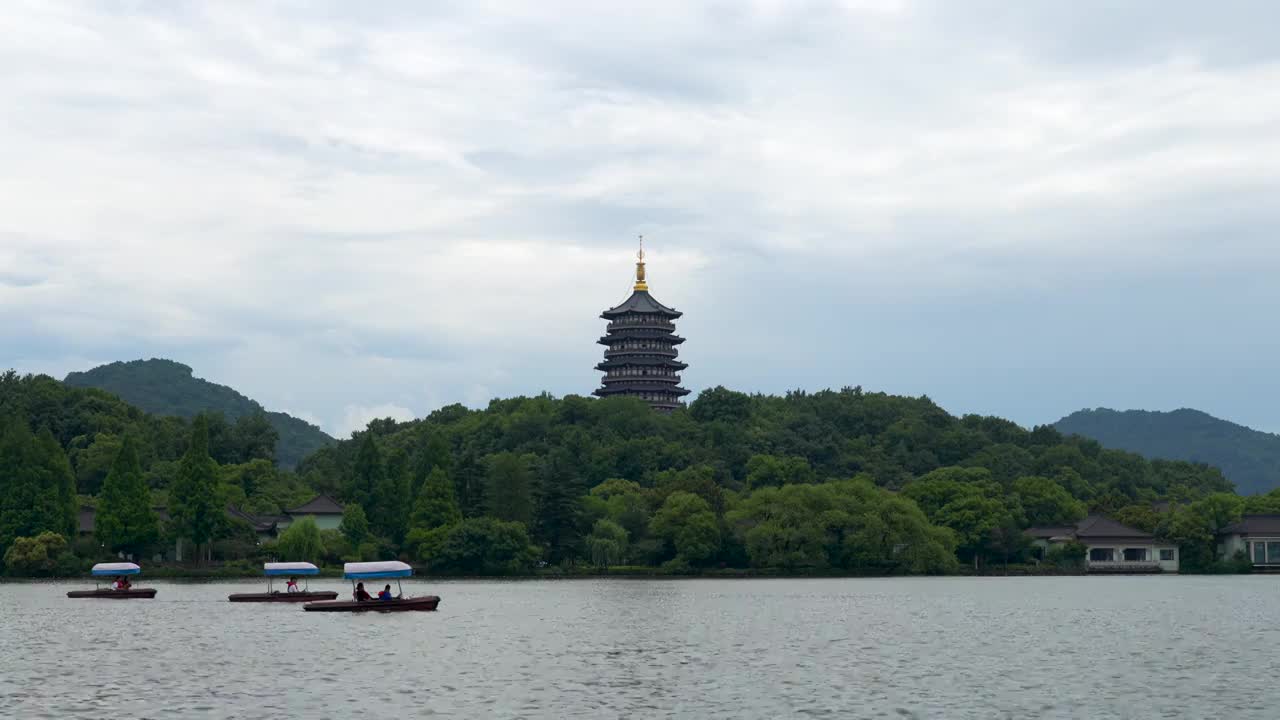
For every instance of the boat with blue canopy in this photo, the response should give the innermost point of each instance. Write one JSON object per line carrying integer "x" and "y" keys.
{"x": 292, "y": 592}
{"x": 120, "y": 589}
{"x": 364, "y": 601}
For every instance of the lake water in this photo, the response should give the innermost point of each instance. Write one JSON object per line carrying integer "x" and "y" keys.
{"x": 1079, "y": 647}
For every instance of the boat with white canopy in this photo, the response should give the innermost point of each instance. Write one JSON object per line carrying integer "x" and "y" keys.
{"x": 291, "y": 593}
{"x": 120, "y": 589}
{"x": 357, "y": 573}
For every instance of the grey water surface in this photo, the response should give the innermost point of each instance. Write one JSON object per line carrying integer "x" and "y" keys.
{"x": 1071, "y": 647}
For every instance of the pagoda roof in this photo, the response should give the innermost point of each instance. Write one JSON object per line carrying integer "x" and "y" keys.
{"x": 631, "y": 389}
{"x": 640, "y": 302}
{"x": 615, "y": 362}
{"x": 640, "y": 334}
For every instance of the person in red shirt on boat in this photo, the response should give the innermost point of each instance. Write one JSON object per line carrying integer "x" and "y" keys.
{"x": 361, "y": 594}
{"x": 292, "y": 585}
{"x": 122, "y": 583}
{"x": 385, "y": 594}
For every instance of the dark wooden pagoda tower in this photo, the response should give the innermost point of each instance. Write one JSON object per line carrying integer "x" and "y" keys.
{"x": 640, "y": 349}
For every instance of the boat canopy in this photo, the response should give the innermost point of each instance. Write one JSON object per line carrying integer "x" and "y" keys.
{"x": 290, "y": 568}
{"x": 116, "y": 569}
{"x": 385, "y": 569}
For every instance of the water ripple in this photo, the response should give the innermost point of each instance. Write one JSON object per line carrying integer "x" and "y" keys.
{"x": 892, "y": 648}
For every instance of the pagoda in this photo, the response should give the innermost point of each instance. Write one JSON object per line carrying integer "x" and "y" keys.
{"x": 640, "y": 349}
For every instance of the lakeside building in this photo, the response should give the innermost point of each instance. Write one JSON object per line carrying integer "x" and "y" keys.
{"x": 1257, "y": 537}
{"x": 1112, "y": 546}
{"x": 326, "y": 511}
{"x": 640, "y": 348}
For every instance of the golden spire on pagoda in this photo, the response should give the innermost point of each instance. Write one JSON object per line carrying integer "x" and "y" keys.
{"x": 640, "y": 283}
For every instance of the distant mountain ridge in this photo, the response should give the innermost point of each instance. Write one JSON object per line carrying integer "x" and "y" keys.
{"x": 1249, "y": 458}
{"x": 166, "y": 387}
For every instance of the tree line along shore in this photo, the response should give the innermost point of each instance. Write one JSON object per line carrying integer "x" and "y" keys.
{"x": 833, "y": 482}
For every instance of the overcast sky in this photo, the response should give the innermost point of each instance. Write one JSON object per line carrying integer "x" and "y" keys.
{"x": 352, "y": 210}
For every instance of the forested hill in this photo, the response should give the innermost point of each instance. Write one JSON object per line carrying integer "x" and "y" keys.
{"x": 841, "y": 481}
{"x": 1249, "y": 458}
{"x": 165, "y": 387}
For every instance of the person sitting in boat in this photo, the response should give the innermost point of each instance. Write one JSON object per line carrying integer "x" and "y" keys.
{"x": 385, "y": 594}
{"x": 122, "y": 583}
{"x": 361, "y": 594}
{"x": 292, "y": 585}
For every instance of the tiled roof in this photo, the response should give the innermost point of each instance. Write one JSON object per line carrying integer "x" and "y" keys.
{"x": 318, "y": 505}
{"x": 1099, "y": 526}
{"x": 260, "y": 523}
{"x": 1254, "y": 525}
{"x": 1094, "y": 526}
{"x": 1051, "y": 532}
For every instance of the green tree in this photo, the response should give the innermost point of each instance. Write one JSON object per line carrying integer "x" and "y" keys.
{"x": 36, "y": 494}
{"x": 1141, "y": 516}
{"x": 607, "y": 544}
{"x": 1005, "y": 461}
{"x": 44, "y": 554}
{"x": 720, "y": 404}
{"x": 698, "y": 479}
{"x": 125, "y": 521}
{"x": 765, "y": 470}
{"x": 687, "y": 522}
{"x": 1194, "y": 528}
{"x": 1068, "y": 555}
{"x": 434, "y": 453}
{"x": 253, "y": 438}
{"x": 395, "y": 498}
{"x": 1267, "y": 504}
{"x": 301, "y": 542}
{"x": 626, "y": 504}
{"x": 425, "y": 543}
{"x": 889, "y": 534}
{"x": 436, "y": 506}
{"x": 354, "y": 526}
{"x": 92, "y": 461}
{"x": 940, "y": 487}
{"x": 979, "y": 524}
{"x": 222, "y": 445}
{"x": 21, "y": 483}
{"x": 1046, "y": 503}
{"x": 559, "y": 512}
{"x": 508, "y": 487}
{"x": 849, "y": 524}
{"x": 194, "y": 505}
{"x": 783, "y": 527}
{"x": 59, "y": 485}
{"x": 484, "y": 546}
{"x": 367, "y": 474}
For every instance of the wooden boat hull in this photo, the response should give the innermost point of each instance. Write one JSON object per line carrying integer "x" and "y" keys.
{"x": 108, "y": 594}
{"x": 284, "y": 597}
{"x": 424, "y": 603}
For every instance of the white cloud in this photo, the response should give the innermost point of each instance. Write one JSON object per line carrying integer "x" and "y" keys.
{"x": 305, "y": 416}
{"x": 320, "y": 205}
{"x": 357, "y": 417}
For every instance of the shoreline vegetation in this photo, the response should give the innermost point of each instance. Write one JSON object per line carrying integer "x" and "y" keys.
{"x": 832, "y": 483}
{"x": 239, "y": 572}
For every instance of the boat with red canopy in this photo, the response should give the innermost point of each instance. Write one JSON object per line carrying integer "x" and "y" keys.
{"x": 121, "y": 589}
{"x": 292, "y": 592}
{"x": 359, "y": 572}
